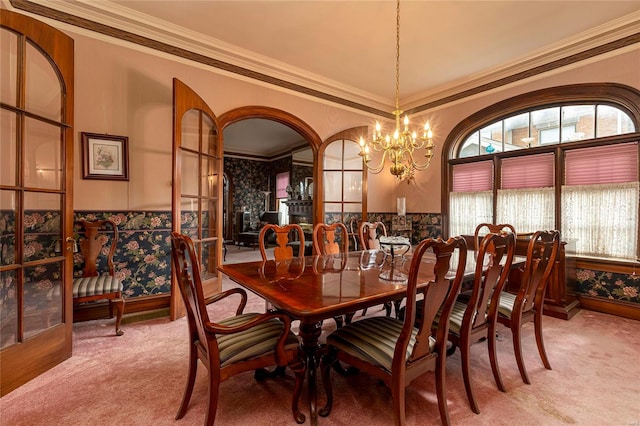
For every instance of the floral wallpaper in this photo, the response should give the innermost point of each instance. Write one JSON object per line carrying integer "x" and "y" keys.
{"x": 609, "y": 285}
{"x": 423, "y": 225}
{"x": 250, "y": 179}
{"x": 143, "y": 255}
{"x": 142, "y": 259}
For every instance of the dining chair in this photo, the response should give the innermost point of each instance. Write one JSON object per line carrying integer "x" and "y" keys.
{"x": 283, "y": 249}
{"x": 395, "y": 351}
{"x": 243, "y": 342}
{"x": 474, "y": 319}
{"x": 324, "y": 243}
{"x": 324, "y": 238}
{"x": 515, "y": 310}
{"x": 480, "y": 231}
{"x": 93, "y": 285}
{"x": 368, "y": 235}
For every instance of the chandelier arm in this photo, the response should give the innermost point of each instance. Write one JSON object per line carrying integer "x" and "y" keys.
{"x": 377, "y": 169}
{"x": 418, "y": 166}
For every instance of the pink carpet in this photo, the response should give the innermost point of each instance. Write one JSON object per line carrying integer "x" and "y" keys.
{"x": 138, "y": 379}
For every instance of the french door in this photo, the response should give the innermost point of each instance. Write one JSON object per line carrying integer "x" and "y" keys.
{"x": 36, "y": 206}
{"x": 197, "y": 186}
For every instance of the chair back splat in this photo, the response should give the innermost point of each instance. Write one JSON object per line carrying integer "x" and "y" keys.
{"x": 485, "y": 228}
{"x": 93, "y": 285}
{"x": 244, "y": 342}
{"x": 526, "y": 305}
{"x": 365, "y": 344}
{"x": 324, "y": 238}
{"x": 283, "y": 249}
{"x": 369, "y": 233}
{"x": 324, "y": 243}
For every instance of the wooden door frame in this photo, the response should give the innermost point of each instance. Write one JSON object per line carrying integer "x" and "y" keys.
{"x": 289, "y": 120}
{"x": 176, "y": 308}
{"x": 26, "y": 360}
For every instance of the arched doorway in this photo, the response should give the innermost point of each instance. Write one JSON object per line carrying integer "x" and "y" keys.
{"x": 261, "y": 116}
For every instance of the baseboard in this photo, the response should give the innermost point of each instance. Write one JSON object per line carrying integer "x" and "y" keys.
{"x": 613, "y": 307}
{"x": 146, "y": 305}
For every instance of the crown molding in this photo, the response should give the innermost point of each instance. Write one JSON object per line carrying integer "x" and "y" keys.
{"x": 115, "y": 21}
{"x": 615, "y": 35}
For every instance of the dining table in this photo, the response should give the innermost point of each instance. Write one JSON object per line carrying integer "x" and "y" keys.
{"x": 319, "y": 287}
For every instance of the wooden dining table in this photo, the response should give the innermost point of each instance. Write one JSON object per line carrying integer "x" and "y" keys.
{"x": 316, "y": 288}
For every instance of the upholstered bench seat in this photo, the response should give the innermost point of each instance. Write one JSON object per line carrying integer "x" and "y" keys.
{"x": 91, "y": 286}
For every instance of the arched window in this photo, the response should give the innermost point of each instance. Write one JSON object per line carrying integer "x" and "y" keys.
{"x": 564, "y": 158}
{"x": 342, "y": 175}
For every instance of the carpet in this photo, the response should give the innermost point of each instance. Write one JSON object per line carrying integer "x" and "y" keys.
{"x": 138, "y": 379}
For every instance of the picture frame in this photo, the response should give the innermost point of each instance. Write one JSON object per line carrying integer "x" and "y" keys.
{"x": 105, "y": 156}
{"x": 308, "y": 185}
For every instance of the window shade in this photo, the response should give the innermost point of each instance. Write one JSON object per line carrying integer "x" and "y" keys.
{"x": 602, "y": 164}
{"x": 473, "y": 177}
{"x": 282, "y": 181}
{"x": 532, "y": 171}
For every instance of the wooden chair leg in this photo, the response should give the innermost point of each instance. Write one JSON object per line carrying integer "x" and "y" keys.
{"x": 339, "y": 321}
{"x": 119, "y": 311}
{"x": 387, "y": 308}
{"x": 538, "y": 330}
{"x": 517, "y": 349}
{"x": 441, "y": 390}
{"x": 398, "y": 395}
{"x": 493, "y": 358}
{"x": 212, "y": 399}
{"x": 466, "y": 374}
{"x": 188, "y": 389}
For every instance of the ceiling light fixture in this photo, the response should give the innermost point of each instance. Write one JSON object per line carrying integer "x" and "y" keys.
{"x": 401, "y": 147}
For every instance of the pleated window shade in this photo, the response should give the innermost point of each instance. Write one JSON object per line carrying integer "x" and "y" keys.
{"x": 532, "y": 171}
{"x": 282, "y": 181}
{"x": 602, "y": 164}
{"x": 473, "y": 177}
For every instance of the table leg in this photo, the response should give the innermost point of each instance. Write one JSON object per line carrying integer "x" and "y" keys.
{"x": 310, "y": 333}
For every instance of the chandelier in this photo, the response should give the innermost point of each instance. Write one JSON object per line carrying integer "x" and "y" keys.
{"x": 403, "y": 146}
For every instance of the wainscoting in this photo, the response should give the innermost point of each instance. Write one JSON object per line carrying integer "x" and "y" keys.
{"x": 142, "y": 261}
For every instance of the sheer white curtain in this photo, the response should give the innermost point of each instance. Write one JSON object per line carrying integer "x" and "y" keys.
{"x": 467, "y": 210}
{"x": 602, "y": 218}
{"x": 528, "y": 210}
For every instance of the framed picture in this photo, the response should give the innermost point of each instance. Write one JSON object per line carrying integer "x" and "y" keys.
{"x": 308, "y": 184}
{"x": 105, "y": 157}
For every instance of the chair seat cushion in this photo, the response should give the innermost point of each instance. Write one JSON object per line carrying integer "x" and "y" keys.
{"x": 92, "y": 286}
{"x": 507, "y": 302}
{"x": 256, "y": 341}
{"x": 457, "y": 315}
{"x": 373, "y": 340}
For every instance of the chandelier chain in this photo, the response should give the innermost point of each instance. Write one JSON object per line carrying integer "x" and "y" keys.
{"x": 398, "y": 55}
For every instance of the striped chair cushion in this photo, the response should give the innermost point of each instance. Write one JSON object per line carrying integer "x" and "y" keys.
{"x": 373, "y": 339}
{"x": 507, "y": 301}
{"x": 91, "y": 286}
{"x": 256, "y": 341}
{"x": 455, "y": 320}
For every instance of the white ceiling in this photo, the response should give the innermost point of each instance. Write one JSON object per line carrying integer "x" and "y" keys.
{"x": 347, "y": 48}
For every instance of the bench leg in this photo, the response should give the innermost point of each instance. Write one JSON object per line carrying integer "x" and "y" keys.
{"x": 119, "y": 311}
